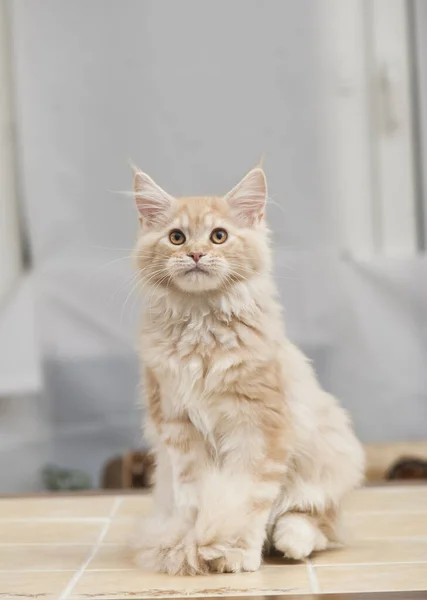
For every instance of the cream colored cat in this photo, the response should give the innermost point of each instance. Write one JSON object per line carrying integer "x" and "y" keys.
{"x": 251, "y": 452}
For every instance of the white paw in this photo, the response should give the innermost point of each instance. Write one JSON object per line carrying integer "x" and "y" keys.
{"x": 225, "y": 558}
{"x": 297, "y": 536}
{"x": 166, "y": 546}
{"x": 172, "y": 546}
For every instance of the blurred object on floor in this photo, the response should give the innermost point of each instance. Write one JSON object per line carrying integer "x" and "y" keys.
{"x": 131, "y": 470}
{"x": 135, "y": 470}
{"x": 390, "y": 461}
{"x": 58, "y": 479}
{"x": 408, "y": 468}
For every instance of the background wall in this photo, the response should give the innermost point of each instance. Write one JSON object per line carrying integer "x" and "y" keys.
{"x": 193, "y": 93}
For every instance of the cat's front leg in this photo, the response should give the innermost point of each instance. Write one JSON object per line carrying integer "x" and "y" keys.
{"x": 236, "y": 500}
{"x": 185, "y": 448}
{"x": 179, "y": 450}
{"x": 172, "y": 546}
{"x": 160, "y": 541}
{"x": 221, "y": 510}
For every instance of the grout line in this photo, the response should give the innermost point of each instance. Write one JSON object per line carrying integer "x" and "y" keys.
{"x": 391, "y": 538}
{"x": 54, "y": 544}
{"x": 90, "y": 544}
{"x": 311, "y": 569}
{"x": 391, "y": 563}
{"x": 64, "y": 570}
{"x": 78, "y": 574}
{"x": 312, "y": 577}
{"x": 388, "y": 512}
{"x": 126, "y": 569}
{"x": 55, "y": 520}
{"x": 63, "y": 519}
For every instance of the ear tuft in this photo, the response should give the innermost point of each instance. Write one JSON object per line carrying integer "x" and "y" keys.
{"x": 247, "y": 199}
{"x": 152, "y": 202}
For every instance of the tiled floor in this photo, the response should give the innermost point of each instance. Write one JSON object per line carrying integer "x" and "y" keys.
{"x": 73, "y": 548}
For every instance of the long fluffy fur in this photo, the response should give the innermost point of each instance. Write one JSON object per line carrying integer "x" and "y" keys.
{"x": 251, "y": 452}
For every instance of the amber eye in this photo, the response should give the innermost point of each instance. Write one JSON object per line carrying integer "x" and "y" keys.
{"x": 218, "y": 236}
{"x": 177, "y": 237}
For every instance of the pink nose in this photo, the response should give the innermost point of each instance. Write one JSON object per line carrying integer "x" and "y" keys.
{"x": 196, "y": 256}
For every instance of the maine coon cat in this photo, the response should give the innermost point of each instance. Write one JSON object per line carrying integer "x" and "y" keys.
{"x": 250, "y": 451}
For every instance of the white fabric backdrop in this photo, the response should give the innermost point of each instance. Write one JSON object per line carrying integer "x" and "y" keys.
{"x": 193, "y": 93}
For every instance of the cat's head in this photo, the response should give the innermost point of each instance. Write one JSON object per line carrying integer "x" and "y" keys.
{"x": 202, "y": 243}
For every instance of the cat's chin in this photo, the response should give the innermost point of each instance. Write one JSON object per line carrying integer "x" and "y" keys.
{"x": 197, "y": 282}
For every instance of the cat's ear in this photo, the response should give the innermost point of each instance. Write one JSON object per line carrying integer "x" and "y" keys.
{"x": 153, "y": 203}
{"x": 247, "y": 199}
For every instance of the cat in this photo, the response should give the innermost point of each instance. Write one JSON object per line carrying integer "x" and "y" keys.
{"x": 251, "y": 453}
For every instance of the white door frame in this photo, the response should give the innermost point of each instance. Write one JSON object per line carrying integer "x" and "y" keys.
{"x": 10, "y": 240}
{"x": 369, "y": 116}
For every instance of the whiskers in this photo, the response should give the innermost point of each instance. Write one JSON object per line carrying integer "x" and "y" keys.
{"x": 247, "y": 272}
{"x": 158, "y": 275}
{"x": 153, "y": 274}
{"x": 144, "y": 280}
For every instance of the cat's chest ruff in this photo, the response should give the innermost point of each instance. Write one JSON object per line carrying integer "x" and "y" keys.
{"x": 190, "y": 359}
{"x": 195, "y": 339}
{"x": 198, "y": 354}
{"x": 197, "y": 348}
{"x": 203, "y": 335}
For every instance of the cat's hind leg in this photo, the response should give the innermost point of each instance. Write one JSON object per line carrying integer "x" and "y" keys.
{"x": 328, "y": 465}
{"x": 307, "y": 515}
{"x": 298, "y": 535}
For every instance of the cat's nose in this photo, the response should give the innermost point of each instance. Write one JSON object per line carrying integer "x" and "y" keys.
{"x": 196, "y": 256}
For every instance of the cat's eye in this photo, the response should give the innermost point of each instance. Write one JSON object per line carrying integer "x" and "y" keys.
{"x": 176, "y": 237}
{"x": 218, "y": 236}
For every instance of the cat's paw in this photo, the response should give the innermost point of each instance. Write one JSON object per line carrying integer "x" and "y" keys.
{"x": 182, "y": 558}
{"x": 226, "y": 558}
{"x": 297, "y": 536}
{"x": 166, "y": 546}
{"x": 172, "y": 546}
{"x": 188, "y": 558}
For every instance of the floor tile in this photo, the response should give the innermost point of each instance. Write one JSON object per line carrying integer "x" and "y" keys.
{"x": 112, "y": 557}
{"x": 61, "y": 532}
{"x": 42, "y": 558}
{"x": 104, "y": 585}
{"x": 45, "y": 586}
{"x": 407, "y": 499}
{"x": 385, "y": 578}
{"x": 135, "y": 506}
{"x": 56, "y": 507}
{"x": 48, "y": 539}
{"x": 375, "y": 551}
{"x": 121, "y": 531}
{"x": 386, "y": 525}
